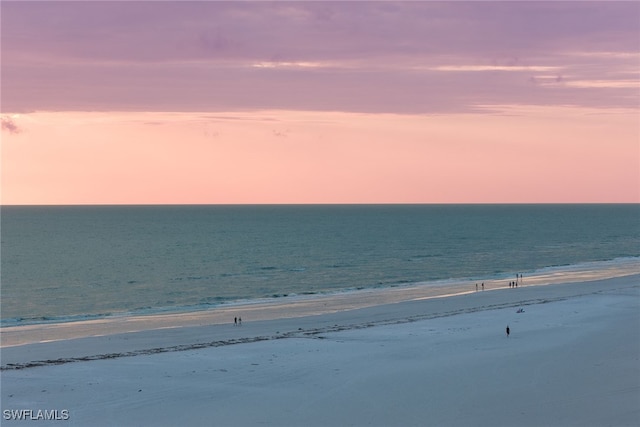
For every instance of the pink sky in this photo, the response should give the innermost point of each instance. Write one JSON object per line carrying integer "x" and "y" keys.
{"x": 320, "y": 102}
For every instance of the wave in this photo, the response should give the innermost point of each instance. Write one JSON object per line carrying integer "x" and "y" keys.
{"x": 590, "y": 270}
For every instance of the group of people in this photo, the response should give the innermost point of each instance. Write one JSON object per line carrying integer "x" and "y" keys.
{"x": 513, "y": 284}
{"x": 237, "y": 321}
{"x": 517, "y": 281}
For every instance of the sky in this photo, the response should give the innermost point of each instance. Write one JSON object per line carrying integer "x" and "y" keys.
{"x": 208, "y": 102}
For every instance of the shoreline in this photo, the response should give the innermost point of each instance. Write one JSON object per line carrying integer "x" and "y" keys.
{"x": 300, "y": 305}
{"x": 588, "y": 270}
{"x": 93, "y": 340}
{"x": 571, "y": 360}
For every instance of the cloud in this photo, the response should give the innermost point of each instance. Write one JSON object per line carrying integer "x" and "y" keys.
{"x": 280, "y": 133}
{"x": 9, "y": 125}
{"x": 493, "y": 68}
{"x": 614, "y": 84}
{"x": 339, "y": 56}
{"x": 290, "y": 64}
{"x": 310, "y": 31}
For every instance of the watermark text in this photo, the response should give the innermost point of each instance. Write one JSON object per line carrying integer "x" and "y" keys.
{"x": 35, "y": 414}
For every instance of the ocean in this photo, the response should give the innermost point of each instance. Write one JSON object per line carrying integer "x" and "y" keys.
{"x": 66, "y": 263}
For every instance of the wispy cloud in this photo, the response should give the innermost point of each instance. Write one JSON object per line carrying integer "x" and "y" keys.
{"x": 291, "y": 64}
{"x": 9, "y": 125}
{"x": 472, "y": 68}
{"x": 610, "y": 84}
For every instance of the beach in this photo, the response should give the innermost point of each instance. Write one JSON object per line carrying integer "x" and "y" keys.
{"x": 572, "y": 358}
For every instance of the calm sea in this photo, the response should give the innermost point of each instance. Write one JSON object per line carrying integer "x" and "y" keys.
{"x": 66, "y": 263}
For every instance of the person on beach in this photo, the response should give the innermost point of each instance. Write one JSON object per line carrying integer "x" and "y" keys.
{"x": 240, "y": 321}
{"x": 508, "y": 331}
{"x": 483, "y": 286}
{"x": 476, "y": 287}
{"x": 235, "y": 321}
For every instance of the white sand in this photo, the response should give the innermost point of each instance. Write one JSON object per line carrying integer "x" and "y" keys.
{"x": 573, "y": 358}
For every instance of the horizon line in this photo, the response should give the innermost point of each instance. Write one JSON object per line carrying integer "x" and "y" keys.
{"x": 316, "y": 204}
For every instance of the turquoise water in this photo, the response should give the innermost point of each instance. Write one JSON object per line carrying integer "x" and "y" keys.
{"x": 66, "y": 263}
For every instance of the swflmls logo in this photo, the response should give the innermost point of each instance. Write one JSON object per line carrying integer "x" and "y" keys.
{"x": 35, "y": 415}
